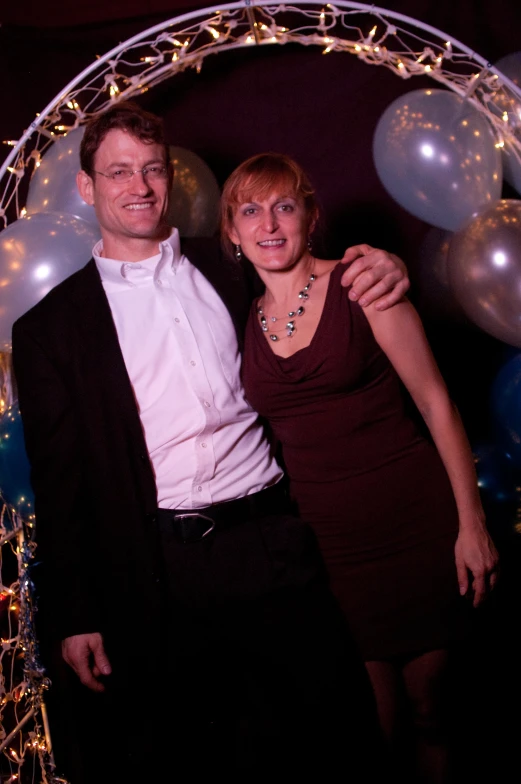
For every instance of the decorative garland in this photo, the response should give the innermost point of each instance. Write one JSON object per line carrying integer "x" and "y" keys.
{"x": 26, "y": 748}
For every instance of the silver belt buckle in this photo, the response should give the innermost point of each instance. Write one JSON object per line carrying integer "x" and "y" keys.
{"x": 192, "y": 515}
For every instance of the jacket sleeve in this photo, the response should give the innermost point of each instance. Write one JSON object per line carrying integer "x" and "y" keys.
{"x": 64, "y": 557}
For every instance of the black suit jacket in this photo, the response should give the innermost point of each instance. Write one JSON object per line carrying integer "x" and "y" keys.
{"x": 93, "y": 481}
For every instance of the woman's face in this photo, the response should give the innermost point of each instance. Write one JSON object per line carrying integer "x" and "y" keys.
{"x": 272, "y": 232}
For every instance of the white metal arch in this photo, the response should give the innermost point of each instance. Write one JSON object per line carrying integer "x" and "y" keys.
{"x": 376, "y": 35}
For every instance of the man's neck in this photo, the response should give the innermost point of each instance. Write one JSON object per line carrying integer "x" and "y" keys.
{"x": 134, "y": 249}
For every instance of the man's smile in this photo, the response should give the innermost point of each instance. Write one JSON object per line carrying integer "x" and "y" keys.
{"x": 140, "y": 206}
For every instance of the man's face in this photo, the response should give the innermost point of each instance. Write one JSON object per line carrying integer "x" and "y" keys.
{"x": 131, "y": 214}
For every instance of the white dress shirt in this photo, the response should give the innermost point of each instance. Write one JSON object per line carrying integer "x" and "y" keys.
{"x": 180, "y": 349}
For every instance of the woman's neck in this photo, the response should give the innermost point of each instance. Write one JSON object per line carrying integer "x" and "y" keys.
{"x": 283, "y": 287}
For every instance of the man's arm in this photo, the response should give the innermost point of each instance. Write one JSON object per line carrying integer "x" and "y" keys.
{"x": 86, "y": 655}
{"x": 375, "y": 276}
{"x": 62, "y": 502}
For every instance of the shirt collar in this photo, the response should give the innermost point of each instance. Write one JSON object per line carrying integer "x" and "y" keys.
{"x": 135, "y": 273}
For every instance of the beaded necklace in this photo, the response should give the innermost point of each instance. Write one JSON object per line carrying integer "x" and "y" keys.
{"x": 289, "y": 327}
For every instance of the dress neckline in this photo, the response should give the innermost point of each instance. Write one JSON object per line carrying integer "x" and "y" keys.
{"x": 300, "y": 357}
{"x": 318, "y": 329}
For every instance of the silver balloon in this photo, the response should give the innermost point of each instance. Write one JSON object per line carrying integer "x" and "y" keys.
{"x": 36, "y": 253}
{"x": 435, "y": 297}
{"x": 436, "y": 156}
{"x": 194, "y": 197}
{"x": 509, "y": 106}
{"x": 485, "y": 270}
{"x": 53, "y": 184}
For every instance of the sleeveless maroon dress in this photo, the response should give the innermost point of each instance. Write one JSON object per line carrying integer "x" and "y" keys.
{"x": 363, "y": 475}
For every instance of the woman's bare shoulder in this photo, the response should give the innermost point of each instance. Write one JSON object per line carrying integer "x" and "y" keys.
{"x": 325, "y": 266}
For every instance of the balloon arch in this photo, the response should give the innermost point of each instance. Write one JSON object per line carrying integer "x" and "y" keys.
{"x": 53, "y": 219}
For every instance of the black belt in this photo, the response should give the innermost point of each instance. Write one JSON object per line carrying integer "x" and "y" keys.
{"x": 192, "y": 525}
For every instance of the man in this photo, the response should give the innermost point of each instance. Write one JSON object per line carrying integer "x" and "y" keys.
{"x": 173, "y": 573}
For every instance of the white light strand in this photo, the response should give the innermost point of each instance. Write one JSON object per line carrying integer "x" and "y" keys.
{"x": 24, "y": 734}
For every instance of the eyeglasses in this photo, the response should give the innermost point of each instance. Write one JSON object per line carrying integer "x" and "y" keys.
{"x": 125, "y": 175}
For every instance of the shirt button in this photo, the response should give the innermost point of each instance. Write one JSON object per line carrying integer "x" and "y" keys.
{"x": 176, "y": 320}
{"x": 199, "y": 489}
{"x": 159, "y": 282}
{"x": 192, "y": 362}
{"x": 204, "y": 445}
{"x": 207, "y": 404}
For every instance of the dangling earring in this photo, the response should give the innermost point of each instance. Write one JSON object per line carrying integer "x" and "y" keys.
{"x": 310, "y": 244}
{"x": 238, "y": 253}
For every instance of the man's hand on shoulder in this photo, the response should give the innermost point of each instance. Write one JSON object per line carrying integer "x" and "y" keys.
{"x": 375, "y": 276}
{"x": 86, "y": 655}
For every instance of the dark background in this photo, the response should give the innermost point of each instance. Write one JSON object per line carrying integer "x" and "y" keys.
{"x": 322, "y": 110}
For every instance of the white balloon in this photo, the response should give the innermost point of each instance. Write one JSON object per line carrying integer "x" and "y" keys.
{"x": 36, "y": 253}
{"x": 53, "y": 184}
{"x": 436, "y": 156}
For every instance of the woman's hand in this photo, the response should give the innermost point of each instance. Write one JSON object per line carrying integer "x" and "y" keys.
{"x": 475, "y": 553}
{"x": 375, "y": 276}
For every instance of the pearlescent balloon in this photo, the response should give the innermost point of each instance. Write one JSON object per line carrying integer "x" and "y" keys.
{"x": 194, "y": 197}
{"x": 436, "y": 156}
{"x": 36, "y": 253}
{"x": 510, "y": 66}
{"x": 485, "y": 269}
{"x": 53, "y": 184}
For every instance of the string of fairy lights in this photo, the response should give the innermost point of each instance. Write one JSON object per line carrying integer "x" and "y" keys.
{"x": 25, "y": 742}
{"x": 376, "y": 36}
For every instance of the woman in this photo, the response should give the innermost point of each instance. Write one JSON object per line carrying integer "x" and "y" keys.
{"x": 398, "y": 518}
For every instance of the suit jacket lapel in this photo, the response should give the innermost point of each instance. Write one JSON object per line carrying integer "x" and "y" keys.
{"x": 102, "y": 359}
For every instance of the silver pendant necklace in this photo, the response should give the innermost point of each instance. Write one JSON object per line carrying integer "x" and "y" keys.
{"x": 289, "y": 327}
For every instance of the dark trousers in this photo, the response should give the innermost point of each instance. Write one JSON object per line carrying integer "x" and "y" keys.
{"x": 256, "y": 674}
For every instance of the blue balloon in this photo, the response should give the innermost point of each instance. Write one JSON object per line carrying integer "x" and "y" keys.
{"x": 15, "y": 485}
{"x": 496, "y": 474}
{"x": 506, "y": 408}
{"x": 499, "y": 486}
